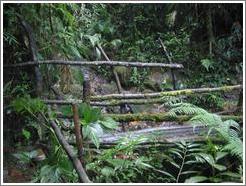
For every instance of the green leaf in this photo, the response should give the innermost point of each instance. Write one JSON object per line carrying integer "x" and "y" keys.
{"x": 75, "y": 51}
{"x": 220, "y": 155}
{"x": 66, "y": 110}
{"x": 196, "y": 179}
{"x": 207, "y": 157}
{"x": 116, "y": 43}
{"x": 98, "y": 53}
{"x": 219, "y": 167}
{"x": 94, "y": 39}
{"x": 107, "y": 171}
{"x": 26, "y": 134}
{"x": 92, "y": 132}
{"x": 207, "y": 64}
{"x": 231, "y": 174}
{"x": 109, "y": 123}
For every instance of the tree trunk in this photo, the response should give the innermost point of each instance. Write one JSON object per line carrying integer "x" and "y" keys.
{"x": 34, "y": 54}
{"x": 210, "y": 29}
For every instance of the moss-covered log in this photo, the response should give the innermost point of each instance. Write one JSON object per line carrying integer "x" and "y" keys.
{"x": 160, "y": 117}
{"x": 167, "y": 93}
{"x": 107, "y": 103}
{"x": 139, "y": 99}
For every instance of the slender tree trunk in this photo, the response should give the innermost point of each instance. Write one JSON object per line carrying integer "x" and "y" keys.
{"x": 34, "y": 54}
{"x": 210, "y": 29}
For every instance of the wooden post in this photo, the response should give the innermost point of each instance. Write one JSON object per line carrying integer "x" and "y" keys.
{"x": 86, "y": 85}
{"x": 240, "y": 102}
{"x": 77, "y": 131}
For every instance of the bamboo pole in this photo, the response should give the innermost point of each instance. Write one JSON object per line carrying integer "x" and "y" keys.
{"x": 95, "y": 63}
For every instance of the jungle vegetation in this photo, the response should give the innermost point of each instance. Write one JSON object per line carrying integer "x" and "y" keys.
{"x": 63, "y": 143}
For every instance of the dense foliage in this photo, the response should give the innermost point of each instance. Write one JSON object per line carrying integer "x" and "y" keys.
{"x": 206, "y": 38}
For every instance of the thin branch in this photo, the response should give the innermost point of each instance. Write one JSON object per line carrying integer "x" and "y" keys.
{"x": 170, "y": 61}
{"x": 76, "y": 162}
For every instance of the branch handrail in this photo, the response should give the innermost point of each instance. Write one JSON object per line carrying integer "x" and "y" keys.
{"x": 166, "y": 93}
{"x": 95, "y": 63}
{"x": 147, "y": 98}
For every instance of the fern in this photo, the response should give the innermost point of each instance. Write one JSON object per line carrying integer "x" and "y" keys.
{"x": 170, "y": 101}
{"x": 229, "y": 130}
{"x": 181, "y": 157}
{"x": 185, "y": 109}
{"x": 235, "y": 146}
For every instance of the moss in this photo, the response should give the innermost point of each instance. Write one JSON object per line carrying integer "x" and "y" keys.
{"x": 160, "y": 117}
{"x": 177, "y": 92}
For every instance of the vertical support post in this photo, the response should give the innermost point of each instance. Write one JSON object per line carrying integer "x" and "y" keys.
{"x": 77, "y": 131}
{"x": 86, "y": 85}
{"x": 240, "y": 101}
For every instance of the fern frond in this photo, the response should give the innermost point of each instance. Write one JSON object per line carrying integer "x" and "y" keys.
{"x": 207, "y": 119}
{"x": 171, "y": 100}
{"x": 185, "y": 109}
{"x": 235, "y": 147}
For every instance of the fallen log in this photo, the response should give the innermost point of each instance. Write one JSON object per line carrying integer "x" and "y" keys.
{"x": 166, "y": 93}
{"x": 107, "y": 103}
{"x": 160, "y": 117}
{"x": 138, "y": 99}
{"x": 157, "y": 136}
{"x": 157, "y": 117}
{"x": 95, "y": 63}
